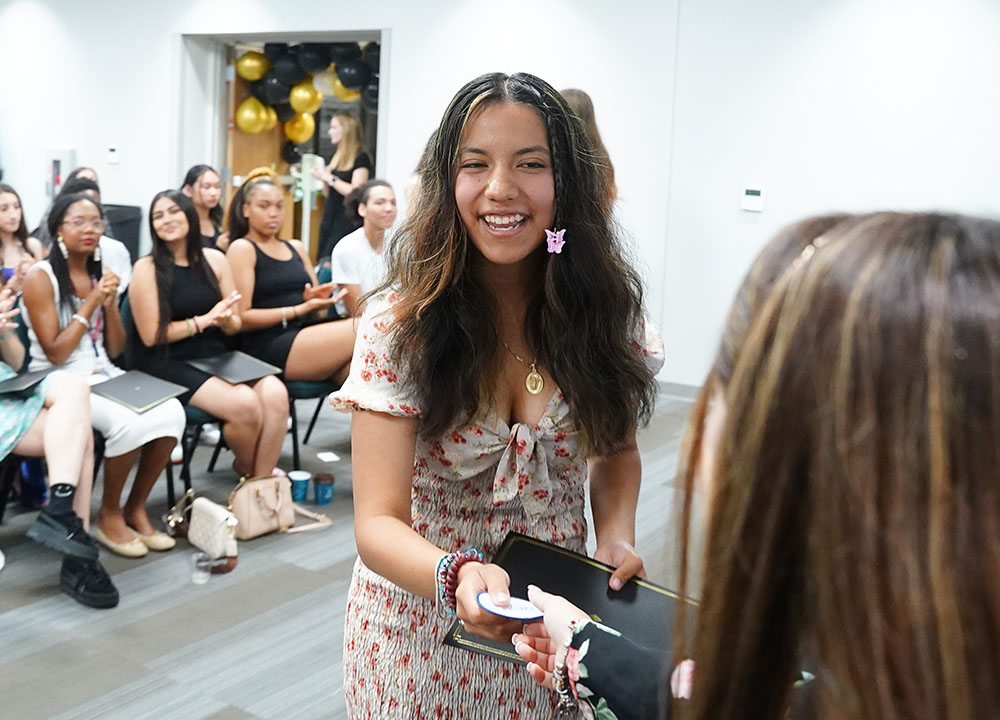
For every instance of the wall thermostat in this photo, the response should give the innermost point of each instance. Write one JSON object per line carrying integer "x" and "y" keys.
{"x": 753, "y": 199}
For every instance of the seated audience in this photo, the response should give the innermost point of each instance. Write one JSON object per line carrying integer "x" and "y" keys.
{"x": 203, "y": 185}
{"x": 74, "y": 324}
{"x": 283, "y": 309}
{"x": 184, "y": 304}
{"x": 18, "y": 250}
{"x": 850, "y": 489}
{"x": 357, "y": 263}
{"x": 53, "y": 419}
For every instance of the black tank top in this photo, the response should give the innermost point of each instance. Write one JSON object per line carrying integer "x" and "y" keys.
{"x": 278, "y": 283}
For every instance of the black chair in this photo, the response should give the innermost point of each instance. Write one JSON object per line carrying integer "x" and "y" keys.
{"x": 10, "y": 469}
{"x": 306, "y": 390}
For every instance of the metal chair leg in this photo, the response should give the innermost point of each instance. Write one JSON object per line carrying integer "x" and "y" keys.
{"x": 312, "y": 423}
{"x": 171, "y": 495}
{"x": 219, "y": 447}
{"x": 295, "y": 435}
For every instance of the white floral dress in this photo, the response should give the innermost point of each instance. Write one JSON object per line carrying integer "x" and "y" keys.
{"x": 470, "y": 488}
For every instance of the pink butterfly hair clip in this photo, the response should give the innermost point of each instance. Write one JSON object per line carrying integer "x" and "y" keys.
{"x": 555, "y": 240}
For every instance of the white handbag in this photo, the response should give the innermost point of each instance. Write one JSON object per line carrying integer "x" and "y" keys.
{"x": 212, "y": 529}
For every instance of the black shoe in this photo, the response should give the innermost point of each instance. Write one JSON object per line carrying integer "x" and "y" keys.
{"x": 63, "y": 533}
{"x": 87, "y": 582}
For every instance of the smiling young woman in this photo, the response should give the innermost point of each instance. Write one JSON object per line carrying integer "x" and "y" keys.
{"x": 475, "y": 414}
{"x": 185, "y": 306}
{"x": 75, "y": 325}
{"x": 18, "y": 250}
{"x": 283, "y": 307}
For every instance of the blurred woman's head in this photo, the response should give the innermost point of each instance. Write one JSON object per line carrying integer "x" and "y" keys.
{"x": 855, "y": 509}
{"x": 583, "y": 108}
{"x": 203, "y": 185}
{"x": 12, "y": 214}
{"x": 346, "y": 128}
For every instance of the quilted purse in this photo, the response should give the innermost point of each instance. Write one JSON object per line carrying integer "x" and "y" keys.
{"x": 264, "y": 505}
{"x": 209, "y": 527}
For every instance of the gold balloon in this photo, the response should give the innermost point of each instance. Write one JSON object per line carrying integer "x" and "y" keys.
{"x": 252, "y": 65}
{"x": 251, "y": 116}
{"x": 271, "y": 118}
{"x": 304, "y": 98}
{"x": 300, "y": 128}
{"x": 344, "y": 93}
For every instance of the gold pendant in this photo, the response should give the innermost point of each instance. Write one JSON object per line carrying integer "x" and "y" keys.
{"x": 534, "y": 383}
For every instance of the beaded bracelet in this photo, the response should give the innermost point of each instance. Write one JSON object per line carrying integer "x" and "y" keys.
{"x": 190, "y": 327}
{"x": 568, "y": 703}
{"x": 446, "y": 576}
{"x": 82, "y": 320}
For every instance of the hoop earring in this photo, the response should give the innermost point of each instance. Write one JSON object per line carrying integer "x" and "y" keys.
{"x": 62, "y": 248}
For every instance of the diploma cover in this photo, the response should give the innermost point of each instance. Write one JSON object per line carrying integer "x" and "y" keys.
{"x": 138, "y": 391}
{"x": 23, "y": 383}
{"x": 641, "y": 610}
{"x": 235, "y": 367}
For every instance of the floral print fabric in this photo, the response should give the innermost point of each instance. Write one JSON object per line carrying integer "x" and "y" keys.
{"x": 470, "y": 488}
{"x": 18, "y": 412}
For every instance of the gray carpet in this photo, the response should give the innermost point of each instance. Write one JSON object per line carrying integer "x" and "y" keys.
{"x": 261, "y": 642}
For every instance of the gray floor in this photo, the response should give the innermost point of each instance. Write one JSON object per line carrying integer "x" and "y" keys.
{"x": 261, "y": 642}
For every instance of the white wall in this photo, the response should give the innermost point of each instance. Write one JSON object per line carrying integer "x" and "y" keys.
{"x": 110, "y": 74}
{"x": 830, "y": 105}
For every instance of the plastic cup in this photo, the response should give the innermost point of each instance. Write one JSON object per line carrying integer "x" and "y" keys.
{"x": 323, "y": 489}
{"x": 300, "y": 484}
{"x": 201, "y": 567}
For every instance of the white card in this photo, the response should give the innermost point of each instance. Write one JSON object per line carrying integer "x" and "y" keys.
{"x": 328, "y": 456}
{"x": 519, "y": 608}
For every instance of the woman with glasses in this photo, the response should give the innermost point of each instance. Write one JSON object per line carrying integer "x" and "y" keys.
{"x": 74, "y": 324}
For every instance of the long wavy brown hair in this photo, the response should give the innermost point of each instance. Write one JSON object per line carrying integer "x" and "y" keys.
{"x": 855, "y": 513}
{"x": 583, "y": 106}
{"x": 585, "y": 318}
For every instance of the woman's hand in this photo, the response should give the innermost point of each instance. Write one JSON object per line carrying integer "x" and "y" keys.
{"x": 319, "y": 291}
{"x": 624, "y": 558}
{"x": 321, "y": 174}
{"x": 7, "y": 310}
{"x": 541, "y": 644}
{"x": 221, "y": 312}
{"x": 107, "y": 288}
{"x": 318, "y": 303}
{"x": 474, "y": 578}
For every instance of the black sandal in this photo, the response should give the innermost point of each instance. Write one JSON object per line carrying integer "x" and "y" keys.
{"x": 87, "y": 582}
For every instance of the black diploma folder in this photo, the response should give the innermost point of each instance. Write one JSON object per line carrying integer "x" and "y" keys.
{"x": 235, "y": 367}
{"x": 642, "y": 611}
{"x": 138, "y": 391}
{"x": 23, "y": 383}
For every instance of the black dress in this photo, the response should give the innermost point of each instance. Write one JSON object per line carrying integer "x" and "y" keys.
{"x": 277, "y": 283}
{"x": 335, "y": 223}
{"x": 190, "y": 295}
{"x": 211, "y": 241}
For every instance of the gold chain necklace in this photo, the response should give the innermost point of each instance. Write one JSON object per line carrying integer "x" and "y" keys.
{"x": 534, "y": 383}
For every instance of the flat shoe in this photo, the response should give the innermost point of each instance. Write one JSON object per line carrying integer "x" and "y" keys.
{"x": 157, "y": 541}
{"x": 134, "y": 548}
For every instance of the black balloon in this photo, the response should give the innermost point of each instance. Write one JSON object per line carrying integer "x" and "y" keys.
{"x": 353, "y": 73}
{"x": 274, "y": 90}
{"x": 275, "y": 50}
{"x": 284, "y": 111}
{"x": 369, "y": 96}
{"x": 290, "y": 153}
{"x": 371, "y": 56}
{"x": 340, "y": 51}
{"x": 287, "y": 69}
{"x": 313, "y": 57}
{"x": 258, "y": 91}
